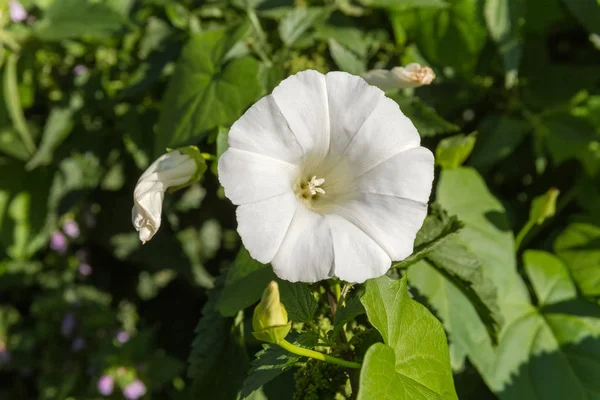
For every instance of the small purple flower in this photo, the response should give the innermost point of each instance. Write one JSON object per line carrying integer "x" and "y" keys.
{"x": 85, "y": 269}
{"x": 68, "y": 324}
{"x": 78, "y": 344}
{"x": 122, "y": 337}
{"x": 71, "y": 228}
{"x": 135, "y": 390}
{"x": 17, "y": 11}
{"x": 106, "y": 384}
{"x": 80, "y": 69}
{"x": 58, "y": 242}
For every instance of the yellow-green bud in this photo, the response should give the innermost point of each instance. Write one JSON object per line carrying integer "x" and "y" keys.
{"x": 270, "y": 322}
{"x": 544, "y": 206}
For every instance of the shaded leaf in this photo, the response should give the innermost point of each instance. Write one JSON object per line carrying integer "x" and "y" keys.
{"x": 498, "y": 137}
{"x": 272, "y": 361}
{"x": 298, "y": 300}
{"x": 504, "y": 19}
{"x": 587, "y": 12}
{"x": 348, "y": 312}
{"x": 579, "y": 246}
{"x": 550, "y": 352}
{"x": 206, "y": 91}
{"x": 298, "y": 20}
{"x": 452, "y": 36}
{"x": 69, "y": 19}
{"x": 401, "y": 4}
{"x": 463, "y": 269}
{"x": 218, "y": 360}
{"x": 463, "y": 192}
{"x": 427, "y": 121}
{"x": 345, "y": 59}
{"x": 12, "y": 100}
{"x": 57, "y": 128}
{"x": 245, "y": 282}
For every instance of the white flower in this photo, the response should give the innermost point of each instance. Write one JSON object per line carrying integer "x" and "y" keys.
{"x": 329, "y": 177}
{"x": 411, "y": 76}
{"x": 169, "y": 170}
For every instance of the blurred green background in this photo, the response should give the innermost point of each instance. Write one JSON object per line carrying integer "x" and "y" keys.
{"x": 93, "y": 91}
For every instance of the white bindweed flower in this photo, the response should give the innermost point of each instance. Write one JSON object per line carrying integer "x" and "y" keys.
{"x": 171, "y": 170}
{"x": 411, "y": 76}
{"x": 329, "y": 177}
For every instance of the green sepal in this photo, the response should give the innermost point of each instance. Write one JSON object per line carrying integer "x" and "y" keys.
{"x": 194, "y": 153}
{"x": 274, "y": 334}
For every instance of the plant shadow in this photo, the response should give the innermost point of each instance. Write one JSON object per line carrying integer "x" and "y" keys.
{"x": 571, "y": 372}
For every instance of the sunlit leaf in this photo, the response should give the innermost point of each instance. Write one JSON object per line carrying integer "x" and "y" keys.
{"x": 413, "y": 362}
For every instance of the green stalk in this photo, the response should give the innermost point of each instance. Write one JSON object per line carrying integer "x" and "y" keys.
{"x": 13, "y": 102}
{"x": 261, "y": 49}
{"x": 522, "y": 233}
{"x": 316, "y": 355}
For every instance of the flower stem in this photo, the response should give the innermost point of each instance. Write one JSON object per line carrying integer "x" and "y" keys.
{"x": 262, "y": 37}
{"x": 316, "y": 355}
{"x": 208, "y": 156}
{"x": 563, "y": 202}
{"x": 337, "y": 291}
{"x": 522, "y": 233}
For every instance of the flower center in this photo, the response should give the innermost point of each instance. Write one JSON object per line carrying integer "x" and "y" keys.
{"x": 313, "y": 186}
{"x": 309, "y": 189}
{"x": 324, "y": 183}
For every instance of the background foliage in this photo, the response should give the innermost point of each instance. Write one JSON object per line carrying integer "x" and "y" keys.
{"x": 93, "y": 91}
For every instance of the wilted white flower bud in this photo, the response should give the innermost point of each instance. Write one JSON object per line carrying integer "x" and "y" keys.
{"x": 411, "y": 76}
{"x": 174, "y": 169}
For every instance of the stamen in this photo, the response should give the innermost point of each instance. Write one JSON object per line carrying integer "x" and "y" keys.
{"x": 313, "y": 185}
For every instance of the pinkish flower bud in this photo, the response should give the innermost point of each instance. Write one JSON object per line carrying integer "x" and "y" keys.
{"x": 85, "y": 269}
{"x": 134, "y": 390}
{"x": 106, "y": 384}
{"x": 58, "y": 242}
{"x": 71, "y": 228}
{"x": 17, "y": 11}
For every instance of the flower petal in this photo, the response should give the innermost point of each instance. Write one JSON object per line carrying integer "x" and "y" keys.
{"x": 390, "y": 221}
{"x": 302, "y": 99}
{"x": 264, "y": 130}
{"x": 382, "y": 78}
{"x": 357, "y": 257}
{"x": 408, "y": 174}
{"x": 351, "y": 101}
{"x": 146, "y": 212}
{"x": 263, "y": 225}
{"x": 386, "y": 132}
{"x": 250, "y": 177}
{"x": 306, "y": 254}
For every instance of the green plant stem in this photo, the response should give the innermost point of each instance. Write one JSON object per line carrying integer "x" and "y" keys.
{"x": 208, "y": 157}
{"x": 13, "y": 102}
{"x": 337, "y": 291}
{"x": 343, "y": 294}
{"x": 522, "y": 233}
{"x": 262, "y": 37}
{"x": 316, "y": 355}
